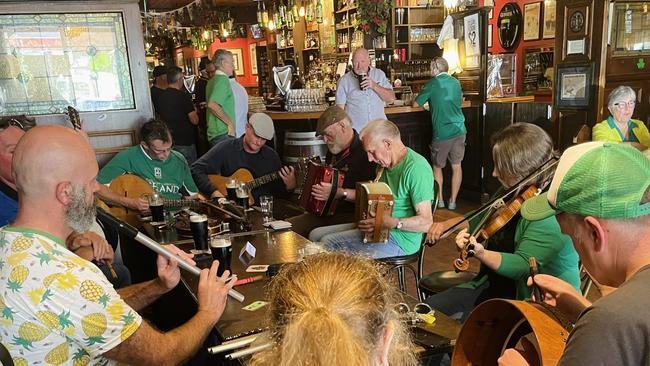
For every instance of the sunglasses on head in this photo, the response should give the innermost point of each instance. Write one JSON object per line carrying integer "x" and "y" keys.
{"x": 11, "y": 122}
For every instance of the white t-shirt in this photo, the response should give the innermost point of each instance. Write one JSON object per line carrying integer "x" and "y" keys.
{"x": 241, "y": 106}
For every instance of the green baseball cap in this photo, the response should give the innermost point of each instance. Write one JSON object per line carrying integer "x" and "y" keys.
{"x": 329, "y": 117}
{"x": 595, "y": 179}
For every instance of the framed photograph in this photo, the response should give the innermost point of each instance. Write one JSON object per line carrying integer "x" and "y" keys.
{"x": 549, "y": 19}
{"x": 239, "y": 60}
{"x": 256, "y": 31}
{"x": 252, "y": 53}
{"x": 532, "y": 16}
{"x": 574, "y": 85}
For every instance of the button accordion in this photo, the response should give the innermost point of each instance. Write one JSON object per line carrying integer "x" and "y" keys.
{"x": 316, "y": 174}
{"x": 374, "y": 199}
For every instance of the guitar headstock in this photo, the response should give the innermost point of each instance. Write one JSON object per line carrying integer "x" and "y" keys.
{"x": 73, "y": 115}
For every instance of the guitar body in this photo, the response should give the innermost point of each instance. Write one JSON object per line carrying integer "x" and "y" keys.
{"x": 374, "y": 199}
{"x": 241, "y": 175}
{"x": 129, "y": 185}
{"x": 498, "y": 324}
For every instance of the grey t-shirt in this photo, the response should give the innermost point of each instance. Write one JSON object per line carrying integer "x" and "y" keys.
{"x": 615, "y": 330}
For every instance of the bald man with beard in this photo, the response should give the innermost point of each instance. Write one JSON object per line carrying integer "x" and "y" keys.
{"x": 57, "y": 307}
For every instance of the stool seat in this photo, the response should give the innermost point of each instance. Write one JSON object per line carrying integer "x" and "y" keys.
{"x": 437, "y": 282}
{"x": 400, "y": 263}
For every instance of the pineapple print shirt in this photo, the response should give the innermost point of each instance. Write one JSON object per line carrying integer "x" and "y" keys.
{"x": 55, "y": 307}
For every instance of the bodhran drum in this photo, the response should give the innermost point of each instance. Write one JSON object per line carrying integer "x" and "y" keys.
{"x": 499, "y": 324}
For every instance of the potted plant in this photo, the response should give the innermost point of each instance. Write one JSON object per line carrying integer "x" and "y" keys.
{"x": 374, "y": 15}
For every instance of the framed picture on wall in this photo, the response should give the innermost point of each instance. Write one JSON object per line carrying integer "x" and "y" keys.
{"x": 532, "y": 16}
{"x": 252, "y": 53}
{"x": 549, "y": 19}
{"x": 573, "y": 85}
{"x": 239, "y": 60}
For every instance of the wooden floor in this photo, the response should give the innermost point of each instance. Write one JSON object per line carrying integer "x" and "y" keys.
{"x": 441, "y": 255}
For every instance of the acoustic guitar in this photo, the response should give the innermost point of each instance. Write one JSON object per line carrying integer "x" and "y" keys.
{"x": 132, "y": 186}
{"x": 244, "y": 175}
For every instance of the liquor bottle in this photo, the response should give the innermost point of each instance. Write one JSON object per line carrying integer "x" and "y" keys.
{"x": 310, "y": 11}
{"x": 276, "y": 18}
{"x": 319, "y": 12}
{"x": 283, "y": 13}
{"x": 290, "y": 20}
{"x": 265, "y": 15}
{"x": 294, "y": 10}
{"x": 259, "y": 14}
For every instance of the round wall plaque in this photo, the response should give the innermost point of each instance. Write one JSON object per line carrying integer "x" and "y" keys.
{"x": 509, "y": 23}
{"x": 577, "y": 21}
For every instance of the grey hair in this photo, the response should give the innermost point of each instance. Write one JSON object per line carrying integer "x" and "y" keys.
{"x": 440, "y": 64}
{"x": 174, "y": 74}
{"x": 619, "y": 93}
{"x": 221, "y": 56}
{"x": 380, "y": 128}
{"x": 520, "y": 149}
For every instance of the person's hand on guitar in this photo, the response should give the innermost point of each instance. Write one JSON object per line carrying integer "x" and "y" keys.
{"x": 474, "y": 248}
{"x": 136, "y": 203}
{"x": 321, "y": 191}
{"x": 512, "y": 357}
{"x": 216, "y": 194}
{"x": 561, "y": 295}
{"x": 288, "y": 175}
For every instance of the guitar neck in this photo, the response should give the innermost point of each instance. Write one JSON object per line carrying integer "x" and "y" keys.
{"x": 260, "y": 181}
{"x": 181, "y": 203}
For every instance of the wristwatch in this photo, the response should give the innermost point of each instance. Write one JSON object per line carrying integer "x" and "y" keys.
{"x": 345, "y": 194}
{"x": 399, "y": 225}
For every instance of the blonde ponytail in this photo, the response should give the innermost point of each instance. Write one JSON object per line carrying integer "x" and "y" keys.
{"x": 332, "y": 309}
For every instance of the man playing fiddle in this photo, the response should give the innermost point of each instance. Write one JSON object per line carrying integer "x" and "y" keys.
{"x": 344, "y": 152}
{"x": 517, "y": 151}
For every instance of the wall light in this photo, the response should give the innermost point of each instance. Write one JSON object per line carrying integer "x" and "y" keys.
{"x": 450, "y": 53}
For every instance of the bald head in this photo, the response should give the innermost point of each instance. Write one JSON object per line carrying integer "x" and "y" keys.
{"x": 360, "y": 61}
{"x": 48, "y": 156}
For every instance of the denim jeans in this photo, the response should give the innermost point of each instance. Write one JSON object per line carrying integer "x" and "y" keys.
{"x": 188, "y": 151}
{"x": 351, "y": 241}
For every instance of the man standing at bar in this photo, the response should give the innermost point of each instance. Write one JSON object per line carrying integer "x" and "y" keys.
{"x": 61, "y": 309}
{"x": 220, "y": 99}
{"x": 177, "y": 111}
{"x": 208, "y": 71}
{"x": 409, "y": 176}
{"x": 362, "y": 91}
{"x": 159, "y": 85}
{"x": 346, "y": 154}
{"x": 241, "y": 105}
{"x": 444, "y": 95}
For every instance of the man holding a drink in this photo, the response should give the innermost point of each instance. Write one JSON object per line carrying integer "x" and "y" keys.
{"x": 363, "y": 91}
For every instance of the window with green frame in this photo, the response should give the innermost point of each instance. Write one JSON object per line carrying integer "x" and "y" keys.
{"x": 52, "y": 60}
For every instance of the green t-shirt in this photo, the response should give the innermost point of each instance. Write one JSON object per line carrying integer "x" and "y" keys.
{"x": 552, "y": 250}
{"x": 445, "y": 96}
{"x": 166, "y": 177}
{"x": 219, "y": 91}
{"x": 411, "y": 182}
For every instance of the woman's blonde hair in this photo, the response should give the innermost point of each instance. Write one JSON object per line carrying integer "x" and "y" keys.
{"x": 520, "y": 149}
{"x": 332, "y": 309}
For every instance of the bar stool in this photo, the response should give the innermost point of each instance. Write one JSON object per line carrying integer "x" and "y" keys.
{"x": 403, "y": 262}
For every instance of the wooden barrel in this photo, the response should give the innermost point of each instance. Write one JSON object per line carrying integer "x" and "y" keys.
{"x": 498, "y": 324}
{"x": 301, "y": 145}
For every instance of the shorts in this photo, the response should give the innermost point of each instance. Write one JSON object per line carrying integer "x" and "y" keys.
{"x": 452, "y": 150}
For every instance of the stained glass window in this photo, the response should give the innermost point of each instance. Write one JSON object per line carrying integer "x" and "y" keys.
{"x": 49, "y": 61}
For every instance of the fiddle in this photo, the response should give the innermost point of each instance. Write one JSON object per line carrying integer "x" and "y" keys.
{"x": 497, "y": 221}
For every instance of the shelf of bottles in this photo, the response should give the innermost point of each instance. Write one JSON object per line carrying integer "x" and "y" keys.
{"x": 284, "y": 14}
{"x": 416, "y": 27}
{"x": 346, "y": 22}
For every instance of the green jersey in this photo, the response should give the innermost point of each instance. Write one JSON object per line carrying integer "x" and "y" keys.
{"x": 411, "y": 182}
{"x": 219, "y": 91}
{"x": 172, "y": 177}
{"x": 444, "y": 95}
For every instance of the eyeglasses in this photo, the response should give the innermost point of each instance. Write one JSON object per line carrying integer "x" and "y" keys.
{"x": 622, "y": 105}
{"x": 11, "y": 122}
{"x": 422, "y": 313}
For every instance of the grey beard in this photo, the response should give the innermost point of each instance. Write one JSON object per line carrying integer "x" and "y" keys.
{"x": 79, "y": 215}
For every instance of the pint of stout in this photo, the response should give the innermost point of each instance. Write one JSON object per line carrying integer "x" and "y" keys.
{"x": 231, "y": 188}
{"x": 199, "y": 227}
{"x": 242, "y": 196}
{"x": 156, "y": 207}
{"x": 221, "y": 251}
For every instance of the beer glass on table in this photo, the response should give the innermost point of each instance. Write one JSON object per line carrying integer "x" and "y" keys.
{"x": 156, "y": 207}
{"x": 242, "y": 196}
{"x": 199, "y": 227}
{"x": 221, "y": 249}
{"x": 231, "y": 189}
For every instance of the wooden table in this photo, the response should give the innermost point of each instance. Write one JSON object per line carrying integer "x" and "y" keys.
{"x": 282, "y": 247}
